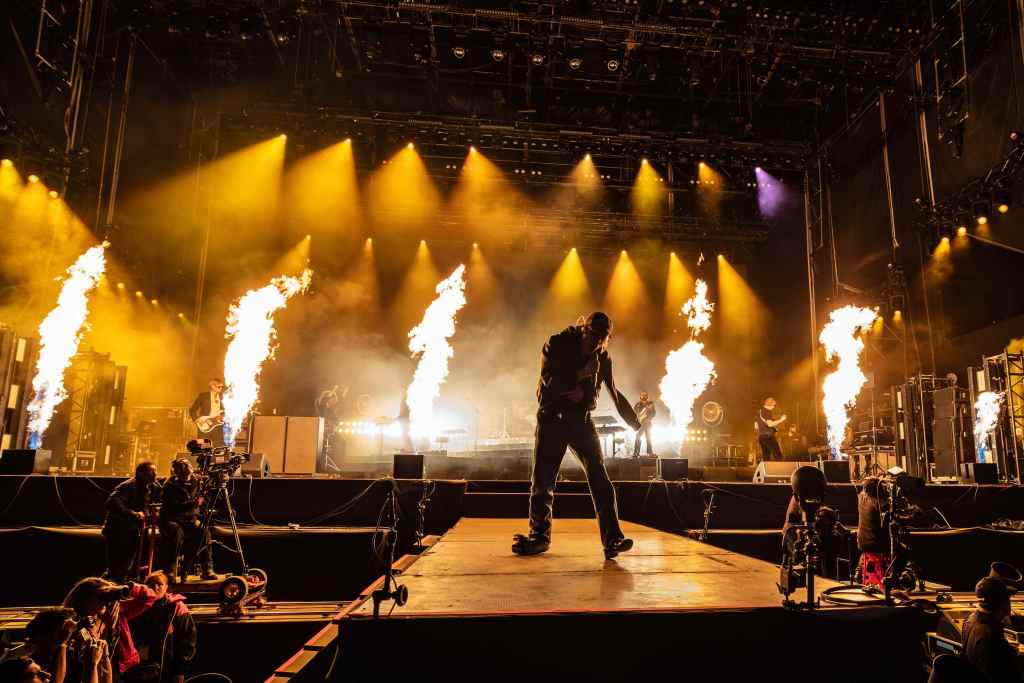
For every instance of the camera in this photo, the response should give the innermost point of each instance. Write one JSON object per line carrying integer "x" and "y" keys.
{"x": 216, "y": 462}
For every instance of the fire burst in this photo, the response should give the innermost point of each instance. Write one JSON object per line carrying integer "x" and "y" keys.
{"x": 687, "y": 370}
{"x": 429, "y": 341}
{"x": 251, "y": 331}
{"x": 986, "y": 415}
{"x": 59, "y": 335}
{"x": 841, "y": 338}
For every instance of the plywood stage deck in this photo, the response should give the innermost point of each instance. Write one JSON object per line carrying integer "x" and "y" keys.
{"x": 472, "y": 571}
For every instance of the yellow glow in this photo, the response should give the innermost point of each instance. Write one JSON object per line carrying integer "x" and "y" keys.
{"x": 626, "y": 297}
{"x": 472, "y": 149}
{"x": 154, "y": 302}
{"x": 293, "y": 261}
{"x": 1003, "y": 208}
{"x": 283, "y": 136}
{"x": 475, "y": 245}
{"x": 481, "y": 285}
{"x": 138, "y": 294}
{"x": 402, "y": 195}
{"x": 485, "y": 200}
{"x": 648, "y": 196}
{"x": 710, "y": 184}
{"x": 568, "y": 293}
{"x": 7, "y": 163}
{"x": 53, "y": 194}
{"x": 982, "y": 220}
{"x": 961, "y": 231}
{"x": 321, "y": 191}
{"x": 410, "y": 146}
{"x": 415, "y": 293}
{"x": 743, "y": 317}
{"x": 120, "y": 285}
{"x": 897, "y": 316}
{"x": 678, "y": 288}
{"x": 940, "y": 267}
{"x": 33, "y": 178}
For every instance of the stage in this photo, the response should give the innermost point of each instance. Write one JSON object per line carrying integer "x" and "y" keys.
{"x": 476, "y": 609}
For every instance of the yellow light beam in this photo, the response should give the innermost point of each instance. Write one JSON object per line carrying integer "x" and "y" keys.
{"x": 648, "y": 197}
{"x": 678, "y": 288}
{"x": 740, "y": 310}
{"x": 415, "y": 293}
{"x": 626, "y": 297}
{"x": 402, "y": 195}
{"x": 568, "y": 294}
{"x": 322, "y": 192}
{"x": 481, "y": 285}
{"x": 710, "y": 184}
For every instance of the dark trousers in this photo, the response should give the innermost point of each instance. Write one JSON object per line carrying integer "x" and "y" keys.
{"x": 183, "y": 538}
{"x": 554, "y": 435}
{"x": 644, "y": 432}
{"x": 770, "y": 449}
{"x": 122, "y": 546}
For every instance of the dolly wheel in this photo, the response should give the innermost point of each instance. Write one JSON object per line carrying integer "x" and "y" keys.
{"x": 401, "y": 595}
{"x": 233, "y": 590}
{"x": 257, "y": 578}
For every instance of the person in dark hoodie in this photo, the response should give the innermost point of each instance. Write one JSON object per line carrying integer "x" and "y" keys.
{"x": 126, "y": 513}
{"x": 165, "y": 636}
{"x": 574, "y": 365}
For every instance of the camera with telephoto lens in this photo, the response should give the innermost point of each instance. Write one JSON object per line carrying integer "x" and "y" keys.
{"x": 897, "y": 514}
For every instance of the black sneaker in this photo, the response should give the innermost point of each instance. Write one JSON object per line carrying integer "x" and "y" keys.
{"x": 619, "y": 546}
{"x": 529, "y": 545}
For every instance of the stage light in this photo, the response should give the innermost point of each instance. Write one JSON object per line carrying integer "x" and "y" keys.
{"x": 33, "y": 178}
{"x": 613, "y": 65}
{"x": 537, "y": 60}
{"x": 1001, "y": 199}
{"x": 498, "y": 55}
{"x": 7, "y": 163}
{"x": 53, "y": 194}
{"x": 945, "y": 239}
{"x": 154, "y": 302}
{"x": 459, "y": 52}
{"x": 120, "y": 285}
{"x": 369, "y": 240}
{"x": 700, "y": 164}
{"x": 981, "y": 212}
{"x": 410, "y": 146}
{"x": 472, "y": 149}
{"x": 587, "y": 156}
{"x": 181, "y": 315}
{"x": 573, "y": 249}
{"x": 475, "y": 245}
{"x": 309, "y": 237}
{"x": 757, "y": 169}
{"x": 1003, "y": 208}
{"x": 283, "y": 136}
{"x": 575, "y": 63}
{"x": 138, "y": 294}
{"x": 348, "y": 141}
{"x": 623, "y": 252}
{"x": 961, "y": 231}
{"x": 423, "y": 243}
{"x": 643, "y": 162}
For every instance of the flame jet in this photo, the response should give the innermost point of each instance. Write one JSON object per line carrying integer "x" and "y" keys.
{"x": 253, "y": 340}
{"x": 429, "y": 342}
{"x": 59, "y": 336}
{"x": 687, "y": 370}
{"x": 986, "y": 415}
{"x": 841, "y": 338}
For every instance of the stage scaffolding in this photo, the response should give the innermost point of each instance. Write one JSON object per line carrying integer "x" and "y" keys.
{"x": 1004, "y": 373}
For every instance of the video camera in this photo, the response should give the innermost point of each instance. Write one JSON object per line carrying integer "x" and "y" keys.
{"x": 801, "y": 553}
{"x": 219, "y": 462}
{"x": 897, "y": 512}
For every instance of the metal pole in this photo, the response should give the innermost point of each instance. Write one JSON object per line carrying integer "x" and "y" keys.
{"x": 994, "y": 243}
{"x": 204, "y": 251}
{"x": 885, "y": 167}
{"x": 811, "y": 298}
{"x": 122, "y": 127}
{"x": 929, "y": 186}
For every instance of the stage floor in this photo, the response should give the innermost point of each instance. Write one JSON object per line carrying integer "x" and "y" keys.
{"x": 472, "y": 571}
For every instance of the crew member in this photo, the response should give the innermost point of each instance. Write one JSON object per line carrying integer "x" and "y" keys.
{"x": 872, "y": 538}
{"x": 207, "y": 411}
{"x": 183, "y": 540}
{"x": 984, "y": 642}
{"x": 126, "y": 513}
{"x": 645, "y": 412}
{"x": 574, "y": 365}
{"x": 766, "y": 426}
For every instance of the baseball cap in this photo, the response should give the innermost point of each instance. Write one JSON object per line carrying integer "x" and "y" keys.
{"x": 992, "y": 592}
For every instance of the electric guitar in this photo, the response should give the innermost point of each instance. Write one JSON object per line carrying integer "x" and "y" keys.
{"x": 207, "y": 423}
{"x": 642, "y": 416}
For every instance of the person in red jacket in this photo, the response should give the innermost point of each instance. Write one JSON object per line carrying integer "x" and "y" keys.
{"x": 165, "y": 636}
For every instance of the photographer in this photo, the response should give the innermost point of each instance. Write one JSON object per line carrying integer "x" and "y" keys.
{"x": 165, "y": 635}
{"x": 182, "y": 535}
{"x": 47, "y": 638}
{"x": 126, "y": 513}
{"x": 103, "y": 610}
{"x": 24, "y": 670}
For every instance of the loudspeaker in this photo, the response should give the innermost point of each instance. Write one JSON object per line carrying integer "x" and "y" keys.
{"x": 408, "y": 466}
{"x": 268, "y": 437}
{"x": 981, "y": 472}
{"x": 304, "y": 444}
{"x": 777, "y": 472}
{"x": 258, "y": 467}
{"x": 836, "y": 471}
{"x": 25, "y": 461}
{"x": 673, "y": 469}
{"x": 945, "y": 443}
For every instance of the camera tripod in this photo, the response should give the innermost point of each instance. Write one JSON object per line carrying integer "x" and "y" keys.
{"x": 400, "y": 594}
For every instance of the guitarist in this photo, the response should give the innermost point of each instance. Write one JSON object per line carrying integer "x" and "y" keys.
{"x": 207, "y": 412}
{"x": 645, "y": 413}
{"x": 767, "y": 425}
